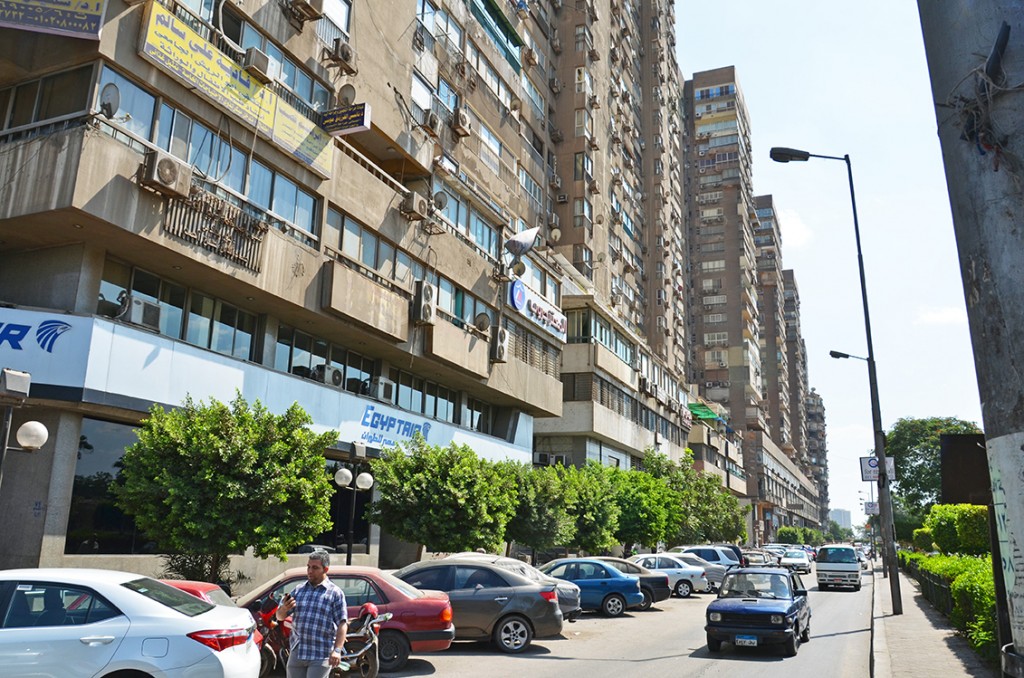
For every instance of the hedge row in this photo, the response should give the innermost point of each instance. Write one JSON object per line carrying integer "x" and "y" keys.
{"x": 973, "y": 591}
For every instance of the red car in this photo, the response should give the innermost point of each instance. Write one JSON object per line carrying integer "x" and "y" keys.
{"x": 211, "y": 593}
{"x": 421, "y": 621}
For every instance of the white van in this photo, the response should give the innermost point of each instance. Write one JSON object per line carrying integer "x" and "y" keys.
{"x": 837, "y": 565}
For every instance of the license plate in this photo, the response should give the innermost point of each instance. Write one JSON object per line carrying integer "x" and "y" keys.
{"x": 746, "y": 641}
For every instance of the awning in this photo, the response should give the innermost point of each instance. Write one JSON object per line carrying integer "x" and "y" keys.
{"x": 702, "y": 411}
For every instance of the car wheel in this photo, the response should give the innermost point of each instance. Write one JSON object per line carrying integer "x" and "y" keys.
{"x": 683, "y": 588}
{"x": 393, "y": 649}
{"x": 792, "y": 644}
{"x": 648, "y": 600}
{"x": 857, "y": 587}
{"x": 714, "y": 645}
{"x": 805, "y": 635}
{"x": 513, "y": 634}
{"x": 613, "y": 605}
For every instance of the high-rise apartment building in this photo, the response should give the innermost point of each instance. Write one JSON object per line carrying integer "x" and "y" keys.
{"x": 817, "y": 447}
{"x": 771, "y": 306}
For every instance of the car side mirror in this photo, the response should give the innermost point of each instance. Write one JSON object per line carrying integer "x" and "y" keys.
{"x": 800, "y": 592}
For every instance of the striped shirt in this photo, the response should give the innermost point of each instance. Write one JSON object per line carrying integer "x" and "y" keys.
{"x": 319, "y": 610}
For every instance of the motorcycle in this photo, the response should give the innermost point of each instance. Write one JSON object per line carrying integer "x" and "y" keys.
{"x": 360, "y": 658}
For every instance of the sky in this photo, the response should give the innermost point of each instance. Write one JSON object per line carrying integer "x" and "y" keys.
{"x": 836, "y": 79}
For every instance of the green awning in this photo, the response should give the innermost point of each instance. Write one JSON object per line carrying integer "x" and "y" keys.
{"x": 702, "y": 411}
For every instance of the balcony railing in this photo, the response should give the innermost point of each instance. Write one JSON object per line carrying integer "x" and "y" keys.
{"x": 235, "y": 232}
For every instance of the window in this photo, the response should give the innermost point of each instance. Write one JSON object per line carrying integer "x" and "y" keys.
{"x": 48, "y": 604}
{"x": 713, "y": 265}
{"x": 137, "y": 105}
{"x": 422, "y": 98}
{"x": 582, "y": 212}
{"x": 358, "y": 591}
{"x": 446, "y": 95}
{"x": 582, "y": 166}
{"x": 583, "y": 125}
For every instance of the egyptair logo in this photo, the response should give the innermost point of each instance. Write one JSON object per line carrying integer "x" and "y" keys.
{"x": 48, "y": 331}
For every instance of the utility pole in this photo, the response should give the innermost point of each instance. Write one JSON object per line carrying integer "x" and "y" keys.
{"x": 975, "y": 51}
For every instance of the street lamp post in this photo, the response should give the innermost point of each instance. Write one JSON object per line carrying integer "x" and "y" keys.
{"x": 780, "y": 154}
{"x": 364, "y": 481}
{"x": 14, "y": 387}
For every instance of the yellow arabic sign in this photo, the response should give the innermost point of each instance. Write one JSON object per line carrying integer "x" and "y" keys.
{"x": 176, "y": 48}
{"x": 74, "y": 18}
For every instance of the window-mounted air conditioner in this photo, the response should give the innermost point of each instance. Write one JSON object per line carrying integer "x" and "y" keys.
{"x": 424, "y": 310}
{"x": 415, "y": 207}
{"x": 461, "y": 123}
{"x": 382, "y": 389}
{"x": 257, "y": 64}
{"x": 307, "y": 10}
{"x": 143, "y": 313}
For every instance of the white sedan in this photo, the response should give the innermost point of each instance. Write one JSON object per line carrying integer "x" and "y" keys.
{"x": 682, "y": 578}
{"x": 70, "y": 622}
{"x": 796, "y": 560}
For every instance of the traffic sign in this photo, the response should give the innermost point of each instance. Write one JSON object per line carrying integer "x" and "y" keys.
{"x": 869, "y": 468}
{"x": 871, "y": 508}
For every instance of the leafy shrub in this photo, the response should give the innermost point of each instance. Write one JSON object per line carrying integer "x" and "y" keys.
{"x": 941, "y": 520}
{"x": 972, "y": 529}
{"x": 923, "y": 539}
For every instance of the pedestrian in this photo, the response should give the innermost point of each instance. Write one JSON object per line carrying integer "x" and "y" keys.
{"x": 319, "y": 622}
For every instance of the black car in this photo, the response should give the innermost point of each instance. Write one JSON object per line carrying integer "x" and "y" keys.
{"x": 654, "y": 585}
{"x": 759, "y": 606}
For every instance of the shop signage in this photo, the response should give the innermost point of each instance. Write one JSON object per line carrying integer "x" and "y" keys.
{"x": 382, "y": 428}
{"x": 346, "y": 120}
{"x": 538, "y": 310}
{"x": 71, "y": 18}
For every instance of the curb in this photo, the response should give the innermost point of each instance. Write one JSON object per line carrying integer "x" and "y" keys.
{"x": 881, "y": 666}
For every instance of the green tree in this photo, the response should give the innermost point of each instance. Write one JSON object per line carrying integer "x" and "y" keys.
{"x": 591, "y": 503}
{"x": 914, "y": 445}
{"x": 790, "y": 534}
{"x": 209, "y": 480}
{"x": 835, "y": 532}
{"x": 644, "y": 504}
{"x": 541, "y": 518}
{"x": 443, "y": 498}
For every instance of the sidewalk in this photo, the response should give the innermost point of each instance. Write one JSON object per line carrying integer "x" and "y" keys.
{"x": 920, "y": 642}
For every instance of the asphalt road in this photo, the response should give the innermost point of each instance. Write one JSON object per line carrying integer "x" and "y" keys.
{"x": 669, "y": 640}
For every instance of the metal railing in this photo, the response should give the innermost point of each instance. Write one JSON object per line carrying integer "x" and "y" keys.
{"x": 235, "y": 232}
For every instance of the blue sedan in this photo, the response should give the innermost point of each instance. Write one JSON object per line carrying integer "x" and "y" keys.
{"x": 602, "y": 586}
{"x": 759, "y": 606}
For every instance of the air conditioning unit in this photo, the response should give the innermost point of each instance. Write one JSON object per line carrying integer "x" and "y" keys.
{"x": 461, "y": 124}
{"x": 424, "y": 303}
{"x": 594, "y": 54}
{"x": 329, "y": 374}
{"x": 144, "y": 313}
{"x": 499, "y": 344}
{"x": 555, "y": 84}
{"x": 644, "y": 384}
{"x": 556, "y": 44}
{"x": 382, "y": 389}
{"x": 344, "y": 56}
{"x": 529, "y": 56}
{"x": 562, "y": 198}
{"x": 555, "y": 182}
{"x": 167, "y": 174}
{"x": 559, "y": 460}
{"x": 615, "y": 299}
{"x": 709, "y": 384}
{"x": 595, "y": 101}
{"x": 308, "y": 10}
{"x": 415, "y": 207}
{"x": 432, "y": 122}
{"x": 594, "y": 187}
{"x": 257, "y": 64}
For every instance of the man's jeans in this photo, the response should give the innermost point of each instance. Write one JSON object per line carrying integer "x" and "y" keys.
{"x": 301, "y": 668}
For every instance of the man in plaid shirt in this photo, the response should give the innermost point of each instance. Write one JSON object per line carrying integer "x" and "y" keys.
{"x": 319, "y": 622}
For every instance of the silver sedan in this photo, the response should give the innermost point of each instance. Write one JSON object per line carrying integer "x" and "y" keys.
{"x": 682, "y": 578}
{"x": 714, "y": 572}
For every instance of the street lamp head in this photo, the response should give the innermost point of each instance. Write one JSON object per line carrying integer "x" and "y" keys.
{"x": 838, "y": 354}
{"x": 343, "y": 477}
{"x": 782, "y": 154}
{"x": 32, "y": 435}
{"x": 364, "y": 481}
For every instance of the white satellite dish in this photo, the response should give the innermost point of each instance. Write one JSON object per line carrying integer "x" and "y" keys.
{"x": 346, "y": 95}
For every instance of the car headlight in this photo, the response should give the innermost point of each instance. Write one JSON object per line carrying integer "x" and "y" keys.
{"x": 715, "y": 616}
{"x": 778, "y": 619}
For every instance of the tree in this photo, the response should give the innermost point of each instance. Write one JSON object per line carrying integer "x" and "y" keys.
{"x": 211, "y": 479}
{"x": 790, "y": 534}
{"x": 591, "y": 503}
{"x": 541, "y": 518}
{"x": 443, "y": 498}
{"x": 644, "y": 504}
{"x": 914, "y": 445}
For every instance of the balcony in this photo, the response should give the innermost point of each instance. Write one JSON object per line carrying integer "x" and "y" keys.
{"x": 352, "y": 294}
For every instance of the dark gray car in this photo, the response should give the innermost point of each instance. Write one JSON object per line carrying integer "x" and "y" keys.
{"x": 489, "y": 602}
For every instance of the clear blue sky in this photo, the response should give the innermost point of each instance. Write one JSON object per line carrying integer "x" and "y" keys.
{"x": 851, "y": 79}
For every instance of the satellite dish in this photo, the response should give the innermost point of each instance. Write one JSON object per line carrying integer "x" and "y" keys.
{"x": 601, "y": 257}
{"x": 521, "y": 243}
{"x": 440, "y": 200}
{"x": 555, "y": 234}
{"x": 482, "y": 321}
{"x": 346, "y": 95}
{"x": 518, "y": 268}
{"x": 110, "y": 100}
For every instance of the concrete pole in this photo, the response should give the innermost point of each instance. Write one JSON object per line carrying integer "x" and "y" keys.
{"x": 981, "y": 130}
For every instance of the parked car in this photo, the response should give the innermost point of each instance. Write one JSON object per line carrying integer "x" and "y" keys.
{"x": 775, "y": 550}
{"x": 712, "y": 571}
{"x": 759, "y": 606}
{"x": 603, "y": 587}
{"x": 49, "y": 613}
{"x": 211, "y": 593}
{"x": 683, "y": 577}
{"x": 837, "y": 565}
{"x": 713, "y": 554}
{"x": 656, "y": 586}
{"x": 756, "y": 558}
{"x": 796, "y": 560}
{"x": 863, "y": 558}
{"x": 421, "y": 621}
{"x": 568, "y": 593}
{"x": 490, "y": 602}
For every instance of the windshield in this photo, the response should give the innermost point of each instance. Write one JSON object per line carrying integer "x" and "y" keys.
{"x": 755, "y": 585}
{"x": 796, "y": 554}
{"x": 176, "y": 599}
{"x": 837, "y": 555}
{"x": 402, "y": 586}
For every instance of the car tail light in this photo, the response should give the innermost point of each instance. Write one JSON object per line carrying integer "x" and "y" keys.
{"x": 446, "y": 614}
{"x": 668, "y": 582}
{"x": 549, "y": 596}
{"x": 221, "y": 639}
